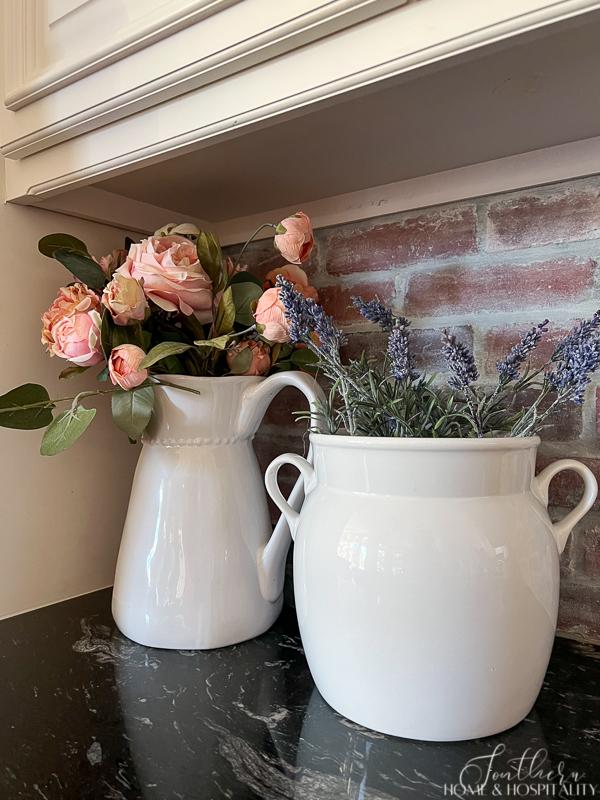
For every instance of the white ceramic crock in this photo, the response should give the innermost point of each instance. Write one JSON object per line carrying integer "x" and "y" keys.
{"x": 196, "y": 568}
{"x": 426, "y": 575}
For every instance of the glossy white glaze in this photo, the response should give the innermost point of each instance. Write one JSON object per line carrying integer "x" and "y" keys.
{"x": 426, "y": 575}
{"x": 196, "y": 568}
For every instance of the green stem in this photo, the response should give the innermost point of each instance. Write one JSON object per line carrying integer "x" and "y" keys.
{"x": 46, "y": 403}
{"x": 256, "y": 232}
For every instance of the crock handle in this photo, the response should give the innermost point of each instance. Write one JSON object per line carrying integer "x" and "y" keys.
{"x": 308, "y": 476}
{"x": 562, "y": 529}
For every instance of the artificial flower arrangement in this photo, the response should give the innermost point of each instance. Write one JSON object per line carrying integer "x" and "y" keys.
{"x": 390, "y": 398}
{"x": 171, "y": 304}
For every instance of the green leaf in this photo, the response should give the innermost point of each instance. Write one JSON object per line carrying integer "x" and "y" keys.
{"x": 225, "y": 317}
{"x": 245, "y": 277}
{"x": 66, "y": 429}
{"x": 163, "y": 350}
{"x": 304, "y": 358}
{"x": 132, "y": 410}
{"x": 244, "y": 295}
{"x": 28, "y": 419}
{"x": 241, "y": 363}
{"x": 69, "y": 372}
{"x": 47, "y": 245}
{"x": 211, "y": 258}
{"x": 220, "y": 343}
{"x": 82, "y": 266}
{"x": 102, "y": 376}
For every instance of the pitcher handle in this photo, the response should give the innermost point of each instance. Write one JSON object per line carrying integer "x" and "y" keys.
{"x": 541, "y": 482}
{"x": 258, "y": 396}
{"x": 307, "y": 475}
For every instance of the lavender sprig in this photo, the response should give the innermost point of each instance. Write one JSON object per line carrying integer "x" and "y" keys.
{"x": 509, "y": 367}
{"x": 375, "y": 311}
{"x": 305, "y": 317}
{"x": 579, "y": 359}
{"x": 579, "y": 333}
{"x": 296, "y": 311}
{"x": 460, "y": 361}
{"x": 399, "y": 353}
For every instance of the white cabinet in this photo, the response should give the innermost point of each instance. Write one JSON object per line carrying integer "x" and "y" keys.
{"x": 127, "y": 110}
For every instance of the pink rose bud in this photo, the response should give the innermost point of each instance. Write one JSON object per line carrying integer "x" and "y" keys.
{"x": 271, "y": 314}
{"x": 296, "y": 276}
{"x": 123, "y": 366}
{"x": 171, "y": 275}
{"x": 294, "y": 238}
{"x": 125, "y": 299}
{"x": 261, "y": 358}
{"x": 71, "y": 326}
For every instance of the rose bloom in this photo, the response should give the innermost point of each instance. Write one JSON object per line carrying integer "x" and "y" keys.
{"x": 125, "y": 299}
{"x": 294, "y": 238}
{"x": 123, "y": 366}
{"x": 271, "y": 313}
{"x": 261, "y": 359}
{"x": 172, "y": 275}
{"x": 71, "y": 326}
{"x": 294, "y": 275}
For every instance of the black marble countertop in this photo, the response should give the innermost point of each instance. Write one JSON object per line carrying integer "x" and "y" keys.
{"x": 85, "y": 713}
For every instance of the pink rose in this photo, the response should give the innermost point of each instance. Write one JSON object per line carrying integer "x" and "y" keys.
{"x": 271, "y": 313}
{"x": 172, "y": 275}
{"x": 125, "y": 299}
{"x": 71, "y": 326}
{"x": 261, "y": 359}
{"x": 77, "y": 338}
{"x": 123, "y": 366}
{"x": 296, "y": 276}
{"x": 294, "y": 238}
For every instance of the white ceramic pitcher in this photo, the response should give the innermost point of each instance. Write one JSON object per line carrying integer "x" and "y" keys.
{"x": 197, "y": 567}
{"x": 426, "y": 576}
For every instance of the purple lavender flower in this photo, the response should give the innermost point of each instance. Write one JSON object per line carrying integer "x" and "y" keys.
{"x": 306, "y": 317}
{"x": 399, "y": 353}
{"x": 296, "y": 310}
{"x": 508, "y": 368}
{"x": 578, "y": 333}
{"x": 576, "y": 357}
{"x": 374, "y": 311}
{"x": 460, "y": 361}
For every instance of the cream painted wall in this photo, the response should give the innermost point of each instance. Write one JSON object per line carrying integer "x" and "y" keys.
{"x": 60, "y": 517}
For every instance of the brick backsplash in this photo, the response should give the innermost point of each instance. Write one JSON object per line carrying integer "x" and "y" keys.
{"x": 487, "y": 268}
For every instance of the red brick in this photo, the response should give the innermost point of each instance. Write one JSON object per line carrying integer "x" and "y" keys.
{"x": 567, "y": 487}
{"x": 564, "y": 425}
{"x": 501, "y": 288}
{"x": 432, "y": 234}
{"x": 498, "y": 342}
{"x": 280, "y": 412}
{"x": 586, "y": 537}
{"x": 425, "y": 345}
{"x": 564, "y": 216}
{"x": 579, "y": 610}
{"x": 268, "y": 446}
{"x": 337, "y": 299}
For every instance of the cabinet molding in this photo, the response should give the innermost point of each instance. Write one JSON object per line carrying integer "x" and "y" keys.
{"x": 25, "y": 16}
{"x": 316, "y": 23}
